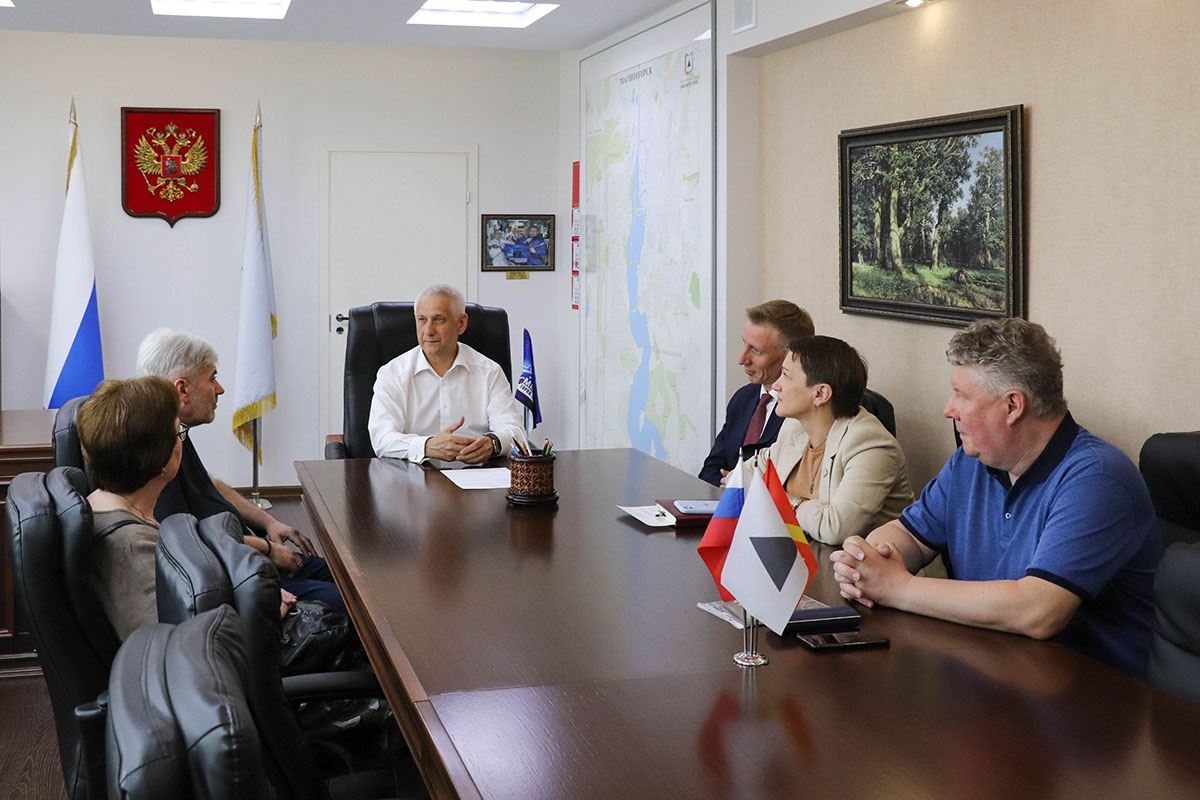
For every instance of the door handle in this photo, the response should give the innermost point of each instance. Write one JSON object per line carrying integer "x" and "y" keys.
{"x": 340, "y": 318}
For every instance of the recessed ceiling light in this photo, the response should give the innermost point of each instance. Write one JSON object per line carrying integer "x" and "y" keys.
{"x": 911, "y": 3}
{"x": 241, "y": 9}
{"x": 480, "y": 13}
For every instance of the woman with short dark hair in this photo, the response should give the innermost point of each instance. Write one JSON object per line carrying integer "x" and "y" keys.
{"x": 845, "y": 473}
{"x": 132, "y": 441}
{"x": 130, "y": 435}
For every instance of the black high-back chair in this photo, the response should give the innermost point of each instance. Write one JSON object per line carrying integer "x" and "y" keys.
{"x": 376, "y": 334}
{"x": 68, "y": 452}
{"x": 1170, "y": 465}
{"x": 179, "y": 724}
{"x": 1174, "y": 664}
{"x": 197, "y": 572}
{"x": 881, "y": 407}
{"x": 204, "y": 565}
{"x": 50, "y": 526}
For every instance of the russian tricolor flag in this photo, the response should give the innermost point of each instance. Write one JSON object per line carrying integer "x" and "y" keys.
{"x": 74, "y": 362}
{"x": 718, "y": 536}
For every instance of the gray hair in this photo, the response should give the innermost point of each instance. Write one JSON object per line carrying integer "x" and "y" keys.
{"x": 173, "y": 354}
{"x": 457, "y": 301}
{"x": 1013, "y": 354}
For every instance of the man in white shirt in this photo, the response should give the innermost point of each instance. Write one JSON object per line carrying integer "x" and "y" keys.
{"x": 443, "y": 399}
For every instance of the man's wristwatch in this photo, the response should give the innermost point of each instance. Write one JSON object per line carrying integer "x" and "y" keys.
{"x": 495, "y": 443}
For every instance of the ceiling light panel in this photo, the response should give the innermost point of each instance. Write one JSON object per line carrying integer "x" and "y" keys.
{"x": 238, "y": 9}
{"x": 480, "y": 13}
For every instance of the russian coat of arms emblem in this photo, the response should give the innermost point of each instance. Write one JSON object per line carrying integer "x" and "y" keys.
{"x": 170, "y": 162}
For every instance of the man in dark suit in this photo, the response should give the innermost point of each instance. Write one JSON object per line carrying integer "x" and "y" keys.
{"x": 749, "y": 417}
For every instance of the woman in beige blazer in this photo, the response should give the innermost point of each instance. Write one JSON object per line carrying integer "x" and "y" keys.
{"x": 844, "y": 472}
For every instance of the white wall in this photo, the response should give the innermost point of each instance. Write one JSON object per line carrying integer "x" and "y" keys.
{"x": 188, "y": 277}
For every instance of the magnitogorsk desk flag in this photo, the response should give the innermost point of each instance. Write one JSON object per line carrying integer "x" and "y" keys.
{"x": 74, "y": 360}
{"x": 526, "y": 392}
{"x": 770, "y": 562}
{"x": 254, "y": 374}
{"x": 718, "y": 536}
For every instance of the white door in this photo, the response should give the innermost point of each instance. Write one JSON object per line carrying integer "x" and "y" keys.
{"x": 395, "y": 222}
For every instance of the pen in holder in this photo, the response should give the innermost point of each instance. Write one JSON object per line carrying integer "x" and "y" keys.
{"x": 532, "y": 479}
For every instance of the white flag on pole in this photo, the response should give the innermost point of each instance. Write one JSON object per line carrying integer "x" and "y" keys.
{"x": 770, "y": 562}
{"x": 254, "y": 375}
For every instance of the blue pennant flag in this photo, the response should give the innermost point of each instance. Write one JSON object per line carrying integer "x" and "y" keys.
{"x": 527, "y": 384}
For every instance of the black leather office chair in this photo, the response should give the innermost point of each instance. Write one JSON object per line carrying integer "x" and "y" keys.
{"x": 50, "y": 526}
{"x": 68, "y": 452}
{"x": 179, "y": 724}
{"x": 1170, "y": 465}
{"x": 202, "y": 565}
{"x": 376, "y": 334}
{"x": 881, "y": 407}
{"x": 1174, "y": 664}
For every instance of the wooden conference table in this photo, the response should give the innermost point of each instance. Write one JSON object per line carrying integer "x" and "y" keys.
{"x": 557, "y": 652}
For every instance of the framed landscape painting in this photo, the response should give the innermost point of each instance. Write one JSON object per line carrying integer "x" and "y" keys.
{"x": 932, "y": 220}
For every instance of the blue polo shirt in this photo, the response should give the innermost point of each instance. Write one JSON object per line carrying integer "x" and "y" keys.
{"x": 1079, "y": 517}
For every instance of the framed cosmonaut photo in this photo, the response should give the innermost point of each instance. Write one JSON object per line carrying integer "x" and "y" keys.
{"x": 517, "y": 242}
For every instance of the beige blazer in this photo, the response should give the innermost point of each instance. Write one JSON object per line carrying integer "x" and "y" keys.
{"x": 864, "y": 479}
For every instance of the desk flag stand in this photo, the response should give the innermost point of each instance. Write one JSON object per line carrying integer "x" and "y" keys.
{"x": 749, "y": 656}
{"x": 258, "y": 500}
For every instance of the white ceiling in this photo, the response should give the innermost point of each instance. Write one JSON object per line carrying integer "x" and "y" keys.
{"x": 572, "y": 26}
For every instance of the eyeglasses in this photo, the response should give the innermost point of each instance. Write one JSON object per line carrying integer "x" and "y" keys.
{"x": 183, "y": 433}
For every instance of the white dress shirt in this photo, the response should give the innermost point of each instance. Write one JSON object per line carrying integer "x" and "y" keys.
{"x": 412, "y": 402}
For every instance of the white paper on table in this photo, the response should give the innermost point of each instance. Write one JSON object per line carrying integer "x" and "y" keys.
{"x": 654, "y": 515}
{"x": 483, "y": 478}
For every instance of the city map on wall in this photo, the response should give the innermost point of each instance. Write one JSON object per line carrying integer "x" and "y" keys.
{"x": 648, "y": 247}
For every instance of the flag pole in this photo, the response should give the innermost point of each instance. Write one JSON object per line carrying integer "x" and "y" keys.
{"x": 255, "y": 497}
{"x": 749, "y": 657}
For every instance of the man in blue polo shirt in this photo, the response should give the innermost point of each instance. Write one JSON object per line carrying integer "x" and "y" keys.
{"x": 1048, "y": 529}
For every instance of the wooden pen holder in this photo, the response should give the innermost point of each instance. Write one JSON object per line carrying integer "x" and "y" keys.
{"x": 532, "y": 480}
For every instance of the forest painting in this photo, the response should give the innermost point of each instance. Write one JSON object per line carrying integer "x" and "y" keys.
{"x": 931, "y": 217}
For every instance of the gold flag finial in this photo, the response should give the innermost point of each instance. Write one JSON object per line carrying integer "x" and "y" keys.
{"x": 258, "y": 115}
{"x": 71, "y": 119}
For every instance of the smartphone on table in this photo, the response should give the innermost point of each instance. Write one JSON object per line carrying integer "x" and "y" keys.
{"x": 838, "y": 641}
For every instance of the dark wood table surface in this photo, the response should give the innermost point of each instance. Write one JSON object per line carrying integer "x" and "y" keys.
{"x": 557, "y": 652}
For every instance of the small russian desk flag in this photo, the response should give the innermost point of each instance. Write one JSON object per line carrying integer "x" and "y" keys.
{"x": 718, "y": 536}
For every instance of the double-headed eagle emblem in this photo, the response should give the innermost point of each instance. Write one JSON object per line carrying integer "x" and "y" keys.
{"x": 172, "y": 164}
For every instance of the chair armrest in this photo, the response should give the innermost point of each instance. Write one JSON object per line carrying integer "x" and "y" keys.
{"x": 91, "y": 719}
{"x": 331, "y": 686}
{"x": 335, "y": 447}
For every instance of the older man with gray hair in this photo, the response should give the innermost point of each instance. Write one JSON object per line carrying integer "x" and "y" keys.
{"x": 1049, "y": 530}
{"x": 190, "y": 364}
{"x": 443, "y": 399}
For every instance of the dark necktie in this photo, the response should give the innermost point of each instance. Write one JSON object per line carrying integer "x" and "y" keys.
{"x": 758, "y": 420}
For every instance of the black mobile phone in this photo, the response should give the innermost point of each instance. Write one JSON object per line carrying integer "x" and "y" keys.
{"x": 837, "y": 641}
{"x": 830, "y": 619}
